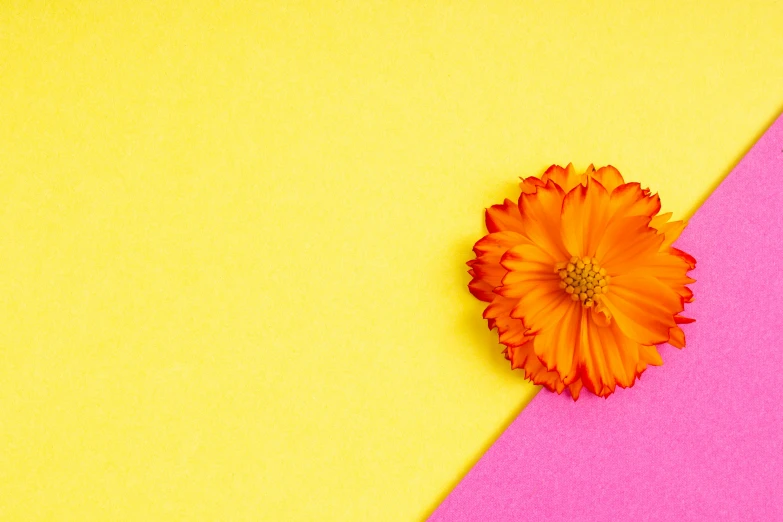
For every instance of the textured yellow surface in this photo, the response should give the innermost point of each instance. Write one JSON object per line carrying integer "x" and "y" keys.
{"x": 232, "y": 237}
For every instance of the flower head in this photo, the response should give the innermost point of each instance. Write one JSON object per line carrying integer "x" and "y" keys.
{"x": 582, "y": 279}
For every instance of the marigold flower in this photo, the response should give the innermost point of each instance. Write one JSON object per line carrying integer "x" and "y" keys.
{"x": 582, "y": 279}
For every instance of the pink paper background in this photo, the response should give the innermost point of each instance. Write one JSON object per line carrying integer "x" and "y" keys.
{"x": 700, "y": 438}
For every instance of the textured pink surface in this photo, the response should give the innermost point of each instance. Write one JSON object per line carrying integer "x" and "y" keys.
{"x": 700, "y": 438}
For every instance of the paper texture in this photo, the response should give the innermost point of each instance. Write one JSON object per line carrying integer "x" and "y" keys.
{"x": 700, "y": 438}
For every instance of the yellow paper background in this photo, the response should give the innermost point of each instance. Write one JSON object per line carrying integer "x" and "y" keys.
{"x": 233, "y": 236}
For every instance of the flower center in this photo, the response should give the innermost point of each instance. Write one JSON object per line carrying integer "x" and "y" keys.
{"x": 584, "y": 280}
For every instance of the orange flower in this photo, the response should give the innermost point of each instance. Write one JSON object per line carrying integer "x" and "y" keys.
{"x": 582, "y": 279}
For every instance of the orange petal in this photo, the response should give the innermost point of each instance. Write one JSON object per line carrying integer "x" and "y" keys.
{"x": 532, "y": 280}
{"x": 566, "y": 178}
{"x": 643, "y": 307}
{"x": 687, "y": 257}
{"x": 671, "y": 231}
{"x": 677, "y": 337}
{"x": 523, "y": 357}
{"x": 480, "y": 289}
{"x": 511, "y": 331}
{"x": 610, "y": 359}
{"x": 541, "y": 219}
{"x": 497, "y": 243}
{"x": 530, "y": 184}
{"x": 558, "y": 174}
{"x": 489, "y": 251}
{"x": 574, "y": 388}
{"x": 625, "y": 242}
{"x": 647, "y": 355}
{"x": 585, "y": 215}
{"x": 499, "y": 307}
{"x": 609, "y": 177}
{"x": 542, "y": 308}
{"x": 631, "y": 200}
{"x": 491, "y": 273}
{"x": 527, "y": 266}
{"x": 686, "y": 293}
{"x": 556, "y": 345}
{"x": 660, "y": 220}
{"x": 503, "y": 217}
{"x": 669, "y": 269}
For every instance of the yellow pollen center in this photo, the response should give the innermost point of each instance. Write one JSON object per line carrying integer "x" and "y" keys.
{"x": 584, "y": 280}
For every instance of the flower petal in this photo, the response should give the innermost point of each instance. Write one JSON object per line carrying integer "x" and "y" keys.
{"x": 480, "y": 289}
{"x": 575, "y": 387}
{"x": 585, "y": 215}
{"x": 647, "y": 355}
{"x": 541, "y": 219}
{"x": 499, "y": 307}
{"x": 532, "y": 280}
{"x": 496, "y": 244}
{"x": 503, "y": 217}
{"x": 530, "y": 184}
{"x": 560, "y": 175}
{"x": 511, "y": 331}
{"x": 677, "y": 337}
{"x": 489, "y": 251}
{"x": 631, "y": 200}
{"x": 660, "y": 220}
{"x": 556, "y": 345}
{"x": 671, "y": 231}
{"x": 523, "y": 357}
{"x": 609, "y": 357}
{"x": 486, "y": 267}
{"x": 625, "y": 242}
{"x": 528, "y": 257}
{"x": 643, "y": 307}
{"x": 609, "y": 177}
{"x": 669, "y": 269}
{"x": 687, "y": 257}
